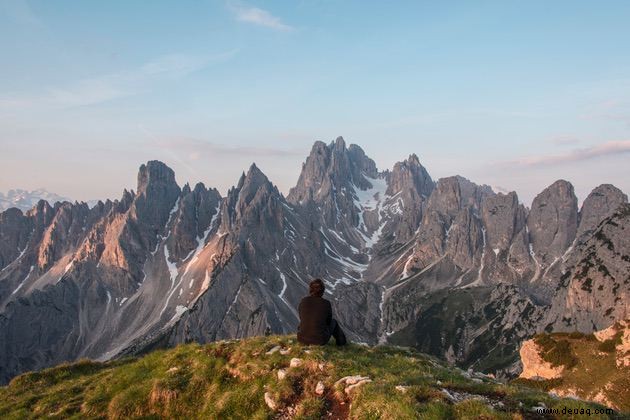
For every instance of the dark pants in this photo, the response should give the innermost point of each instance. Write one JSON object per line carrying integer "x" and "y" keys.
{"x": 337, "y": 333}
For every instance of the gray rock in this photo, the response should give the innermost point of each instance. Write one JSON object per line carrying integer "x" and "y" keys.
{"x": 599, "y": 204}
{"x": 594, "y": 289}
{"x": 552, "y": 222}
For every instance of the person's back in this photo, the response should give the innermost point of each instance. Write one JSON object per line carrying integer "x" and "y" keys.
{"x": 316, "y": 322}
{"x": 315, "y": 316}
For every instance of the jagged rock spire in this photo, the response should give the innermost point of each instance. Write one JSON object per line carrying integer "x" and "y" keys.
{"x": 552, "y": 221}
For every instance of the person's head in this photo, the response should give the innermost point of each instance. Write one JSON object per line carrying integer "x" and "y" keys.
{"x": 316, "y": 288}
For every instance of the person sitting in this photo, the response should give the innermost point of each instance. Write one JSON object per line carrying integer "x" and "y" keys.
{"x": 316, "y": 322}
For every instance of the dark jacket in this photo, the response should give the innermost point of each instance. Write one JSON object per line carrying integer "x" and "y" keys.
{"x": 315, "y": 318}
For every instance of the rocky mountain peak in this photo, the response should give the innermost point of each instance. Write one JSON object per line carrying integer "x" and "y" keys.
{"x": 413, "y": 159}
{"x": 153, "y": 175}
{"x": 191, "y": 227}
{"x": 139, "y": 225}
{"x": 157, "y": 193}
{"x": 364, "y": 165}
{"x": 255, "y": 175}
{"x": 599, "y": 204}
{"x": 330, "y": 168}
{"x": 253, "y": 190}
{"x": 339, "y": 144}
{"x": 199, "y": 187}
{"x": 63, "y": 233}
{"x": 410, "y": 174}
{"x": 42, "y": 213}
{"x": 125, "y": 201}
{"x": 251, "y": 183}
{"x": 552, "y": 221}
{"x": 454, "y": 193}
{"x": 503, "y": 218}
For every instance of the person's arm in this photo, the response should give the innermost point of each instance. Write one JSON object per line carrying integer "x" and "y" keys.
{"x": 329, "y": 314}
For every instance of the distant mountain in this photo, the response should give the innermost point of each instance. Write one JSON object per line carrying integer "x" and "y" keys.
{"x": 26, "y": 200}
{"x": 448, "y": 266}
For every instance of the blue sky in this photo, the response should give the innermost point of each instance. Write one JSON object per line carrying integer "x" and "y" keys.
{"x": 511, "y": 94}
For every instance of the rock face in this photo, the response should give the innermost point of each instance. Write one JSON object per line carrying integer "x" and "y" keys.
{"x": 552, "y": 222}
{"x": 411, "y": 185}
{"x": 600, "y": 203}
{"x": 594, "y": 289}
{"x": 448, "y": 267}
{"x": 534, "y": 367}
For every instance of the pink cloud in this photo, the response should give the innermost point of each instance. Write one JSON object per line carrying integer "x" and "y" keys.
{"x": 610, "y": 148}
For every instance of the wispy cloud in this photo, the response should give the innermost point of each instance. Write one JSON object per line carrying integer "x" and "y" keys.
{"x": 195, "y": 149}
{"x": 257, "y": 16}
{"x": 610, "y": 148}
{"x": 613, "y": 110}
{"x": 111, "y": 86}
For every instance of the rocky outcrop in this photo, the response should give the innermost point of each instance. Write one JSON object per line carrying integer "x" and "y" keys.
{"x": 157, "y": 194}
{"x": 450, "y": 225}
{"x": 552, "y": 222}
{"x": 593, "y": 367}
{"x": 600, "y": 203}
{"x": 534, "y": 367}
{"x": 15, "y": 231}
{"x": 410, "y": 185}
{"x": 503, "y": 217}
{"x": 197, "y": 209}
{"x": 64, "y": 233}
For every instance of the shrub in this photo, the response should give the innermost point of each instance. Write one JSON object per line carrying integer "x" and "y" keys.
{"x": 545, "y": 342}
{"x": 558, "y": 353}
{"x": 609, "y": 345}
{"x": 561, "y": 355}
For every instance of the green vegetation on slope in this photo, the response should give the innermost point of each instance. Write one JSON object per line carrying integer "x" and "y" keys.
{"x": 229, "y": 379}
{"x": 591, "y": 371}
{"x": 556, "y": 351}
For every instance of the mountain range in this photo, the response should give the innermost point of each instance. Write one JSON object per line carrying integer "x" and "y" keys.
{"x": 448, "y": 266}
{"x": 26, "y": 200}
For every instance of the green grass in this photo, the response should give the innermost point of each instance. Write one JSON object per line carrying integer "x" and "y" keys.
{"x": 228, "y": 380}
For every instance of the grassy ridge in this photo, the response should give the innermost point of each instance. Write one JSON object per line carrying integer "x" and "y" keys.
{"x": 229, "y": 380}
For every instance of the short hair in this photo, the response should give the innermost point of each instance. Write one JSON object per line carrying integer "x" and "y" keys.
{"x": 316, "y": 288}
